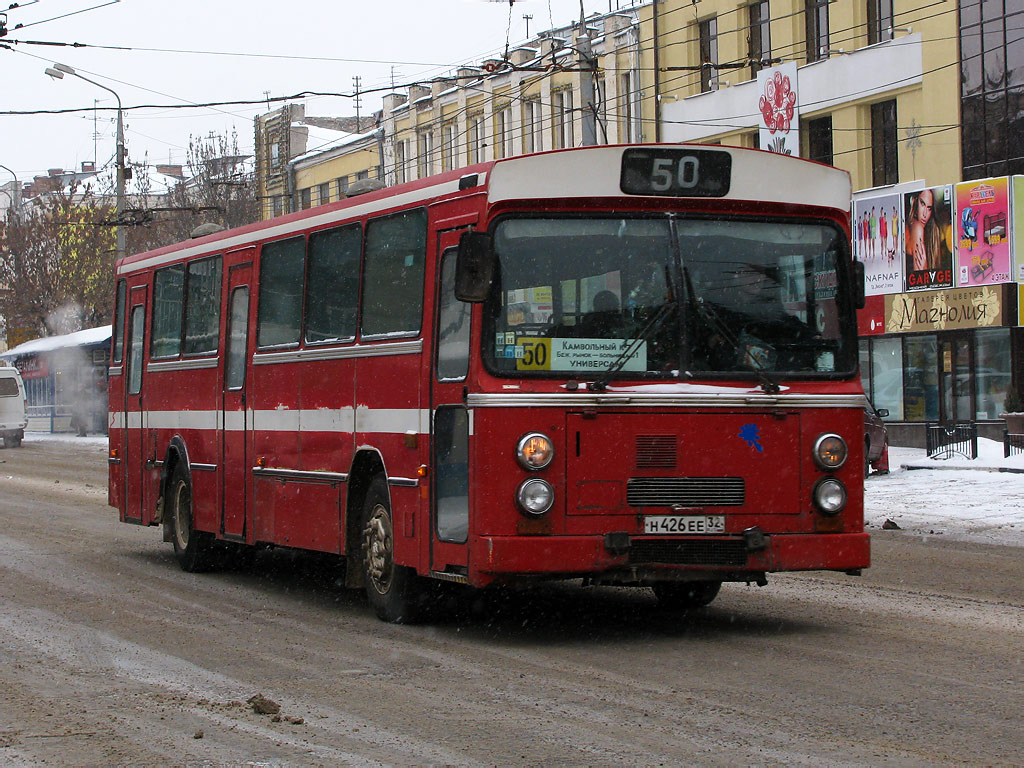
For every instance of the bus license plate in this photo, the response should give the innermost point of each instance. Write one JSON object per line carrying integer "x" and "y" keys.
{"x": 684, "y": 524}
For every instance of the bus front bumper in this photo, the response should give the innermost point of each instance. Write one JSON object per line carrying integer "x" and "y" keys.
{"x": 730, "y": 556}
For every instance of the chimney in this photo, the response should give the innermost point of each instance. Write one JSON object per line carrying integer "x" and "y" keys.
{"x": 88, "y": 166}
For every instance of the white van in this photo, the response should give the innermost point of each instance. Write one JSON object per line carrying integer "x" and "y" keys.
{"x": 12, "y": 407}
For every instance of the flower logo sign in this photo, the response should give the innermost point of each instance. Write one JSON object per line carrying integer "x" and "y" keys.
{"x": 777, "y": 105}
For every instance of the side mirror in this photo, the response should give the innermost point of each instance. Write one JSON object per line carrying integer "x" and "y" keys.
{"x": 859, "y": 299}
{"x": 474, "y": 267}
{"x": 882, "y": 412}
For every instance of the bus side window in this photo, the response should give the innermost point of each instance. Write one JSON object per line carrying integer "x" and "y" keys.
{"x": 119, "y": 310}
{"x": 282, "y": 265}
{"x": 393, "y": 274}
{"x": 332, "y": 290}
{"x": 168, "y": 299}
{"x": 202, "y": 306}
{"x": 452, "y": 326}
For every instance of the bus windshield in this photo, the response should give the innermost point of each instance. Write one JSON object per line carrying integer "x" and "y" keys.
{"x": 668, "y": 297}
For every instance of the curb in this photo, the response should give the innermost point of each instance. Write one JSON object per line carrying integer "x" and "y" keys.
{"x": 1011, "y": 470}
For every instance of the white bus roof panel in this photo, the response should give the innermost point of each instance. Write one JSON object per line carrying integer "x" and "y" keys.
{"x": 595, "y": 172}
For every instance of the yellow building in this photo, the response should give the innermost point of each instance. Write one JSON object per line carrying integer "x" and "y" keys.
{"x": 305, "y": 161}
{"x": 569, "y": 86}
{"x": 877, "y": 83}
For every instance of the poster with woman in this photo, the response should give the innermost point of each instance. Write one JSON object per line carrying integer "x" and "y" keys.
{"x": 877, "y": 231}
{"x": 982, "y": 229}
{"x": 928, "y": 238}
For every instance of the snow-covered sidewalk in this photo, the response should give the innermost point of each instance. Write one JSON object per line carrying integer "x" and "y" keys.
{"x": 951, "y": 497}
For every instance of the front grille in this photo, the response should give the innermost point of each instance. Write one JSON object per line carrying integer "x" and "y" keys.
{"x": 655, "y": 452}
{"x": 689, "y": 552}
{"x": 686, "y": 491}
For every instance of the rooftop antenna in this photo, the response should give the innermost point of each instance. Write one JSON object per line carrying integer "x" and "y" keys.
{"x": 528, "y": 17}
{"x": 266, "y": 95}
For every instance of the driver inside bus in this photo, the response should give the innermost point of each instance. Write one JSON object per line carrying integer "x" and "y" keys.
{"x": 749, "y": 325}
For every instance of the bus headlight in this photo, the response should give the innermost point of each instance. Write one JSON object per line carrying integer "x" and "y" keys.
{"x": 534, "y": 451}
{"x": 829, "y": 496}
{"x": 535, "y": 496}
{"x": 830, "y": 451}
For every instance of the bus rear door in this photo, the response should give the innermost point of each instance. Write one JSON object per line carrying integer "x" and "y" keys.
{"x": 235, "y": 416}
{"x": 135, "y": 468}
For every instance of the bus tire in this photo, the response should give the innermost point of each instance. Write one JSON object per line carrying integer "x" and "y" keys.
{"x": 393, "y": 591}
{"x": 685, "y": 595}
{"x": 192, "y": 548}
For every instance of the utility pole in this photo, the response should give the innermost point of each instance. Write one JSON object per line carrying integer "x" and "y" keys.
{"x": 355, "y": 82}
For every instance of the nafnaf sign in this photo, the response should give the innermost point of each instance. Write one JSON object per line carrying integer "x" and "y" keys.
{"x": 878, "y": 242}
{"x": 779, "y": 108}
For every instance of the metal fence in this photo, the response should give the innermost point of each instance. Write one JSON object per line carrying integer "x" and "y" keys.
{"x": 1012, "y": 444}
{"x": 945, "y": 440}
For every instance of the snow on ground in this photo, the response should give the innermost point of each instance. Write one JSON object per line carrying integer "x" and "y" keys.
{"x": 968, "y": 500}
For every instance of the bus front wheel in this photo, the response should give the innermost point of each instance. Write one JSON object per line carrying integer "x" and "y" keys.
{"x": 686, "y": 595}
{"x": 394, "y": 591}
{"x": 192, "y": 548}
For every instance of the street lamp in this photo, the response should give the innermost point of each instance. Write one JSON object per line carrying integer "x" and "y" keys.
{"x": 57, "y": 72}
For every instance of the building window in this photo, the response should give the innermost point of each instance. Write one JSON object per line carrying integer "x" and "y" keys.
{"x": 533, "y": 134}
{"x": 305, "y": 198}
{"x": 424, "y": 147}
{"x": 325, "y": 193}
{"x": 275, "y": 155}
{"x": 448, "y": 149}
{"x": 503, "y": 132}
{"x": 401, "y": 159}
{"x": 991, "y": 88}
{"x": 879, "y": 21}
{"x": 277, "y": 205}
{"x": 819, "y": 139}
{"x": 759, "y": 35}
{"x": 476, "y": 140}
{"x": 341, "y": 185}
{"x": 360, "y": 175}
{"x": 708, "y": 40}
{"x": 816, "y": 17}
{"x": 884, "y": 164}
{"x": 563, "y": 120}
{"x": 625, "y": 108}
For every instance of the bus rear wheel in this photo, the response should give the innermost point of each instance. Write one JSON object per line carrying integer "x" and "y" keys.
{"x": 194, "y": 549}
{"x": 394, "y": 592}
{"x": 686, "y": 595}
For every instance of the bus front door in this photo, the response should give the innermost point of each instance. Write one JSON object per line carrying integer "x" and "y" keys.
{"x": 234, "y": 412}
{"x": 450, "y": 423}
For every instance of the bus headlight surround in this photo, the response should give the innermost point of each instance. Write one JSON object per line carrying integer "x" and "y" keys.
{"x": 535, "y": 451}
{"x": 830, "y": 451}
{"x": 534, "y": 496}
{"x": 829, "y": 496}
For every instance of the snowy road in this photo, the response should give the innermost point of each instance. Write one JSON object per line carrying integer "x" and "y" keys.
{"x": 110, "y": 655}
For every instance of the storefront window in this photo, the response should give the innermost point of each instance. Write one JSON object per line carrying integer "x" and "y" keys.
{"x": 922, "y": 379}
{"x": 887, "y": 372}
{"x": 991, "y": 371}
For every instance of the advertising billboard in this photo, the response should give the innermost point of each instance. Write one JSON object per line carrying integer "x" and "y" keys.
{"x": 983, "y": 232}
{"x": 878, "y": 241}
{"x": 928, "y": 238}
{"x": 779, "y": 108}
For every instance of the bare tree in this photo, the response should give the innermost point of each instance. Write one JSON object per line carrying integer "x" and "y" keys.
{"x": 56, "y": 266}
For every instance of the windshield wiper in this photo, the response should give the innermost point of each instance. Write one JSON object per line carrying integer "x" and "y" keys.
{"x": 600, "y": 384}
{"x": 709, "y": 316}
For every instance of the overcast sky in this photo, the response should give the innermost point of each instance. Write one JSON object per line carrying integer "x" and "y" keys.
{"x": 197, "y": 51}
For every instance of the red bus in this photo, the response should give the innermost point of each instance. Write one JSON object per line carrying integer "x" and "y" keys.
{"x": 630, "y": 365}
